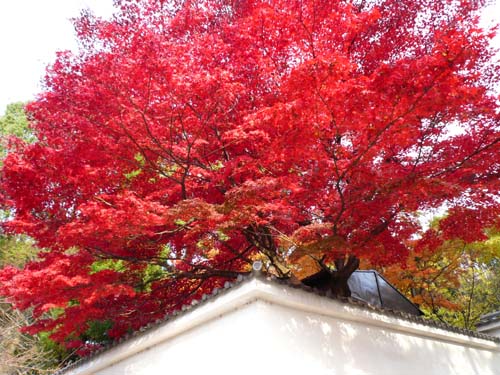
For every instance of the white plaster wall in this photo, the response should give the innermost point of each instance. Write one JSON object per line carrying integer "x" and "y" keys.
{"x": 327, "y": 345}
{"x": 222, "y": 346}
{"x": 261, "y": 327}
{"x": 266, "y": 338}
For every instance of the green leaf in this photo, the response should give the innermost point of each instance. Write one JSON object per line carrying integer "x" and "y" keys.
{"x": 133, "y": 174}
{"x": 117, "y": 265}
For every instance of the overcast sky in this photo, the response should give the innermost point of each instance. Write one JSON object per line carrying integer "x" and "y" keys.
{"x": 31, "y": 31}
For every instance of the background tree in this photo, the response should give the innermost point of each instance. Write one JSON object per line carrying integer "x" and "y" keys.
{"x": 456, "y": 283}
{"x": 20, "y": 353}
{"x": 14, "y": 124}
{"x": 188, "y": 138}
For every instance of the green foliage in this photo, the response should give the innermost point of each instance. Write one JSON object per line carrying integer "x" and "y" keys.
{"x": 152, "y": 273}
{"x": 21, "y": 353}
{"x": 133, "y": 174}
{"x": 476, "y": 295}
{"x": 117, "y": 265}
{"x": 54, "y": 353}
{"x": 14, "y": 123}
{"x": 217, "y": 165}
{"x": 140, "y": 159}
{"x": 16, "y": 250}
{"x": 98, "y": 331}
{"x": 456, "y": 284}
{"x": 180, "y": 222}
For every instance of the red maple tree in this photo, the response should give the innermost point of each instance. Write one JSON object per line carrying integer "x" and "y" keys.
{"x": 187, "y": 139}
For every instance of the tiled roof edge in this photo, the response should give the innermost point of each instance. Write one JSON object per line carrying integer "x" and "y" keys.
{"x": 391, "y": 312}
{"x": 151, "y": 326}
{"x": 241, "y": 279}
{"x": 489, "y": 318}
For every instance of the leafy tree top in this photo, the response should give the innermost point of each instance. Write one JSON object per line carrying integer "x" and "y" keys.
{"x": 188, "y": 138}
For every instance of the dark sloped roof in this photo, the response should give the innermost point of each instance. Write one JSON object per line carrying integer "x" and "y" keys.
{"x": 257, "y": 274}
{"x": 489, "y": 318}
{"x": 371, "y": 287}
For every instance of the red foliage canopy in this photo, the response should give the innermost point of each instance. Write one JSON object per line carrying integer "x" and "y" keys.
{"x": 187, "y": 138}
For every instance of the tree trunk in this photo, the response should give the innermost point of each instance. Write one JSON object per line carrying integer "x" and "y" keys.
{"x": 334, "y": 281}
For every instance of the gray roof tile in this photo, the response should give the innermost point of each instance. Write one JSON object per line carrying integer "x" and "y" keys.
{"x": 241, "y": 279}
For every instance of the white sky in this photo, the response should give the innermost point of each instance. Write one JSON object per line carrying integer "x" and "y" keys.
{"x": 31, "y": 31}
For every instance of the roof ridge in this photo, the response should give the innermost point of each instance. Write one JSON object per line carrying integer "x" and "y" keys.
{"x": 272, "y": 279}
